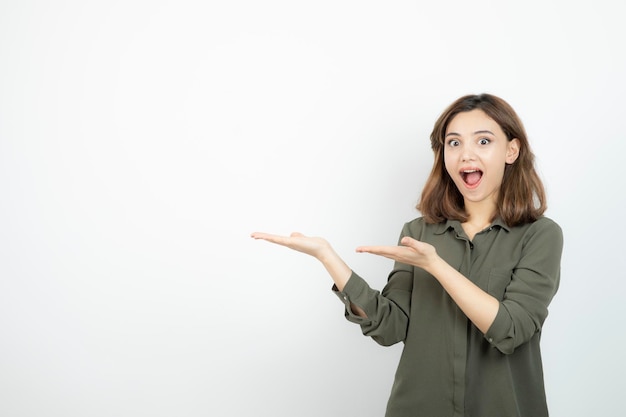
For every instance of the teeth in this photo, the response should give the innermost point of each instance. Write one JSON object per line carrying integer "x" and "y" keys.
{"x": 469, "y": 171}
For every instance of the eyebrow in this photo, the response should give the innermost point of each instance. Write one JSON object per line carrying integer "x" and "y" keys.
{"x": 478, "y": 132}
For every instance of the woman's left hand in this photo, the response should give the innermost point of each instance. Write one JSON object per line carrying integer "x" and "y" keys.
{"x": 412, "y": 252}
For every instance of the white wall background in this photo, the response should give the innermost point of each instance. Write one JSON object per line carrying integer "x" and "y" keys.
{"x": 141, "y": 142}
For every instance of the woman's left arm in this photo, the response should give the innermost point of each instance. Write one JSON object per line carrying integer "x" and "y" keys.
{"x": 520, "y": 315}
{"x": 479, "y": 306}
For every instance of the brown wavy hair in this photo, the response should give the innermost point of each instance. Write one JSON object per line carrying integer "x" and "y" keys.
{"x": 522, "y": 197}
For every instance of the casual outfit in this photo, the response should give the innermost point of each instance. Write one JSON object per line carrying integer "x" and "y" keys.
{"x": 448, "y": 367}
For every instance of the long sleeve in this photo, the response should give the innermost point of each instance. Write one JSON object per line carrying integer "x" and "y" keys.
{"x": 532, "y": 286}
{"x": 387, "y": 312}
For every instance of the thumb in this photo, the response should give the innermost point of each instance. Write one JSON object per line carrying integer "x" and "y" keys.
{"x": 410, "y": 242}
{"x": 297, "y": 234}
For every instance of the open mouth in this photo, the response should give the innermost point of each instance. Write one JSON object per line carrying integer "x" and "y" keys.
{"x": 471, "y": 177}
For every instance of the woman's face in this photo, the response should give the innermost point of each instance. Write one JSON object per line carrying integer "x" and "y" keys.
{"x": 476, "y": 151}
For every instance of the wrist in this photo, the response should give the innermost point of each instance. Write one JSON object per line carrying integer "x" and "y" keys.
{"x": 326, "y": 255}
{"x": 336, "y": 267}
{"x": 435, "y": 266}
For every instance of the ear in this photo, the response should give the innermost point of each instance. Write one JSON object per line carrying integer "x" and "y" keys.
{"x": 512, "y": 151}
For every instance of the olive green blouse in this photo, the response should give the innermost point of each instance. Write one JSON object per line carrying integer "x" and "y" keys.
{"x": 448, "y": 367}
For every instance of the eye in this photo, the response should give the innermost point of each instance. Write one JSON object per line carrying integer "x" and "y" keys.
{"x": 484, "y": 141}
{"x": 453, "y": 143}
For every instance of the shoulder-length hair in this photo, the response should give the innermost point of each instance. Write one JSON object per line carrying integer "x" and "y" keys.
{"x": 521, "y": 198}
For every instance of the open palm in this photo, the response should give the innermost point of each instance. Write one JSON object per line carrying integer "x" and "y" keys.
{"x": 314, "y": 246}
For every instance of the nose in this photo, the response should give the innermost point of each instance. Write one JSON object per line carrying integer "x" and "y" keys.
{"x": 467, "y": 153}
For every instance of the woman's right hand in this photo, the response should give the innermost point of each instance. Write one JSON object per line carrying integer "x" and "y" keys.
{"x": 320, "y": 249}
{"x": 314, "y": 246}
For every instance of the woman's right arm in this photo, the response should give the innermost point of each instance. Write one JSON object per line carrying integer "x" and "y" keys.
{"x": 382, "y": 316}
{"x": 319, "y": 248}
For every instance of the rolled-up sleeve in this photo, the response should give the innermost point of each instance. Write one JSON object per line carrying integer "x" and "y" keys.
{"x": 387, "y": 312}
{"x": 533, "y": 284}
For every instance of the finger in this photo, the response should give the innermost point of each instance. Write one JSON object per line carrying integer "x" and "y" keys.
{"x": 377, "y": 250}
{"x": 408, "y": 241}
{"x": 281, "y": 240}
{"x": 297, "y": 234}
{"x": 389, "y": 252}
{"x": 260, "y": 235}
{"x": 417, "y": 246}
{"x": 364, "y": 249}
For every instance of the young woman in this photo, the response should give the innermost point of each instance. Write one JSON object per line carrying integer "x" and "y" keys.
{"x": 473, "y": 276}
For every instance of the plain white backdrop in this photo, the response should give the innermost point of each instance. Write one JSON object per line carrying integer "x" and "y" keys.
{"x": 141, "y": 142}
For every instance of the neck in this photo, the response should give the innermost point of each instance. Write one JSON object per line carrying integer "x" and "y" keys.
{"x": 481, "y": 213}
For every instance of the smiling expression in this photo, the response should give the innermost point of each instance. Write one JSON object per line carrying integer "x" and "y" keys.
{"x": 476, "y": 151}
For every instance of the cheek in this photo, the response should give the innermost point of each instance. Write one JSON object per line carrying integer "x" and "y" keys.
{"x": 498, "y": 171}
